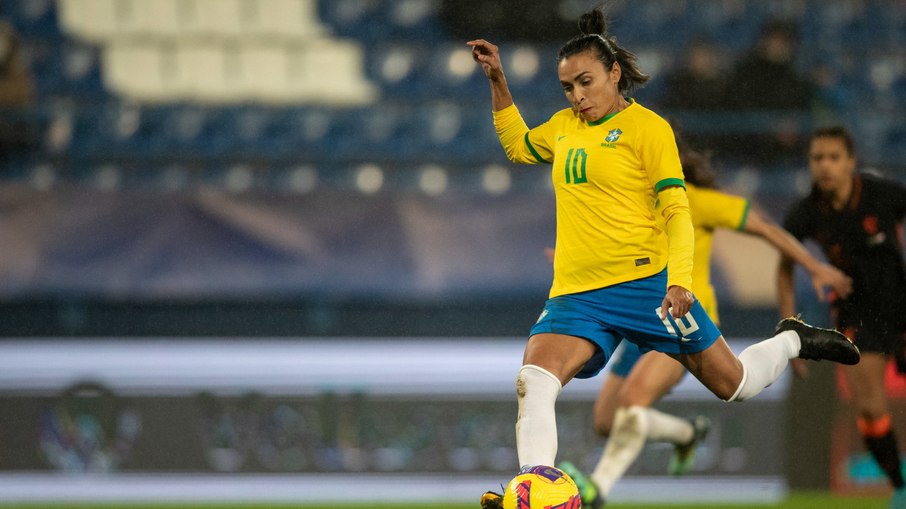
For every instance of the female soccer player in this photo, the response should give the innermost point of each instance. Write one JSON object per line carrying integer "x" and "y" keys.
{"x": 636, "y": 381}
{"x": 615, "y": 168}
{"x": 856, "y": 218}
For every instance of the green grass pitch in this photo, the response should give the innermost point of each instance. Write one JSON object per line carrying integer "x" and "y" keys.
{"x": 800, "y": 500}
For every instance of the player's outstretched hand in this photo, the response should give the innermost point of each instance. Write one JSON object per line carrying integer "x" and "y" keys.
{"x": 828, "y": 276}
{"x": 488, "y": 56}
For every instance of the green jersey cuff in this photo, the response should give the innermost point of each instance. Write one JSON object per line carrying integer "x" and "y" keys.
{"x": 745, "y": 216}
{"x": 669, "y": 183}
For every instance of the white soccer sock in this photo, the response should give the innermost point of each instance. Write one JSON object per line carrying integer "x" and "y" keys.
{"x": 763, "y": 363}
{"x": 668, "y": 428}
{"x": 627, "y": 437}
{"x": 536, "y": 424}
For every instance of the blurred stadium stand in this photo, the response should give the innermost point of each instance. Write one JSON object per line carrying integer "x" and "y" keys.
{"x": 365, "y": 124}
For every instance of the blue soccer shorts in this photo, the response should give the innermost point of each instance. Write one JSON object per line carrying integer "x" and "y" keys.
{"x": 624, "y": 360}
{"x": 628, "y": 310}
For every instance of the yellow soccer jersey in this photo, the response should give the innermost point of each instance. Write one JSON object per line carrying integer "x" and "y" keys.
{"x": 711, "y": 209}
{"x": 606, "y": 176}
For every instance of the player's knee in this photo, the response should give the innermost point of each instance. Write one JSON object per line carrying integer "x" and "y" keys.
{"x": 726, "y": 391}
{"x": 636, "y": 395}
{"x": 602, "y": 424}
{"x": 732, "y": 389}
{"x": 533, "y": 380}
{"x": 629, "y": 423}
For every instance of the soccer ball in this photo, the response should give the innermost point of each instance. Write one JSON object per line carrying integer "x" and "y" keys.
{"x": 541, "y": 487}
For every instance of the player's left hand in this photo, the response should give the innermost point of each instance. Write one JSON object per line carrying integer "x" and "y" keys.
{"x": 828, "y": 276}
{"x": 678, "y": 301}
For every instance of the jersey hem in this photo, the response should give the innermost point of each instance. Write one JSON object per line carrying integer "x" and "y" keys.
{"x": 609, "y": 282}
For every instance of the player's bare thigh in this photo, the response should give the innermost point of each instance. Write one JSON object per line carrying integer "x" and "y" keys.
{"x": 717, "y": 368}
{"x": 651, "y": 379}
{"x": 562, "y": 355}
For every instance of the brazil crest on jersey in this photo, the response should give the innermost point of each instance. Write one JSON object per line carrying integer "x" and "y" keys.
{"x": 606, "y": 177}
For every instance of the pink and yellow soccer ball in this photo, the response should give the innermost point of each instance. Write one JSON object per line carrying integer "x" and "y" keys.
{"x": 542, "y": 487}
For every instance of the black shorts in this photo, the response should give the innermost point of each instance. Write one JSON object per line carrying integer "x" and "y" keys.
{"x": 871, "y": 340}
{"x": 871, "y": 330}
{"x": 885, "y": 336}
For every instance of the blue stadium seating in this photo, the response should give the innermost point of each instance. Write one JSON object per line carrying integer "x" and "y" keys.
{"x": 32, "y": 18}
{"x": 433, "y": 105}
{"x": 384, "y": 20}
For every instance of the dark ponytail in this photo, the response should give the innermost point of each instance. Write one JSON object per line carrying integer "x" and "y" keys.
{"x": 697, "y": 168}
{"x": 593, "y": 25}
{"x": 696, "y": 165}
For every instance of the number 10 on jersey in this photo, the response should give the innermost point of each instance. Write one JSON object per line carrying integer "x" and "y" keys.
{"x": 576, "y": 159}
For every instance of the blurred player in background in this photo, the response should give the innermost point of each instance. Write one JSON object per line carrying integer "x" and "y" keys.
{"x": 856, "y": 219}
{"x": 636, "y": 381}
{"x": 616, "y": 168}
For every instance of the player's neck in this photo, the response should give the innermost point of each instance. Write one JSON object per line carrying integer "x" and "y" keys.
{"x": 619, "y": 105}
{"x": 841, "y": 196}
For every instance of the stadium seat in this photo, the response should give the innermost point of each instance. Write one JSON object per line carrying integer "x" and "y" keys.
{"x": 138, "y": 71}
{"x": 81, "y": 72}
{"x": 117, "y": 130}
{"x": 206, "y": 72}
{"x": 239, "y": 129}
{"x": 396, "y": 68}
{"x": 217, "y": 18}
{"x": 91, "y": 20}
{"x": 344, "y": 85}
{"x": 265, "y": 72}
{"x": 184, "y": 129}
{"x": 43, "y": 59}
{"x": 305, "y": 133}
{"x": 292, "y": 19}
{"x": 33, "y": 19}
{"x": 296, "y": 178}
{"x": 157, "y": 18}
{"x": 363, "y": 21}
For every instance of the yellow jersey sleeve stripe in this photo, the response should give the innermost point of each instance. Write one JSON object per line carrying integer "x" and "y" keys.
{"x": 533, "y": 151}
{"x": 667, "y": 183}
{"x": 745, "y": 216}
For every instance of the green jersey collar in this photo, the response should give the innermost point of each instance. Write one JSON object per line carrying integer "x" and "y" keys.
{"x": 605, "y": 118}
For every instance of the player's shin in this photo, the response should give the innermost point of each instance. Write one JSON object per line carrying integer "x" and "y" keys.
{"x": 630, "y": 429}
{"x": 536, "y": 425}
{"x": 764, "y": 362}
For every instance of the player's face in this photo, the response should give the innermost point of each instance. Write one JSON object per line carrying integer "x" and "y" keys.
{"x": 590, "y": 88}
{"x": 831, "y": 164}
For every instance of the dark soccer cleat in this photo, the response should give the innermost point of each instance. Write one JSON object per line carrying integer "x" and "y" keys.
{"x": 588, "y": 490}
{"x": 821, "y": 344}
{"x": 683, "y": 458}
{"x": 491, "y": 500}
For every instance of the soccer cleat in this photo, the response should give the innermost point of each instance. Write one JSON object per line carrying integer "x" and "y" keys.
{"x": 588, "y": 490}
{"x": 821, "y": 344}
{"x": 491, "y": 500}
{"x": 683, "y": 458}
{"x": 898, "y": 500}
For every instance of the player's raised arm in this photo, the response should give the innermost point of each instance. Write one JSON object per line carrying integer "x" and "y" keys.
{"x": 488, "y": 55}
{"x": 508, "y": 122}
